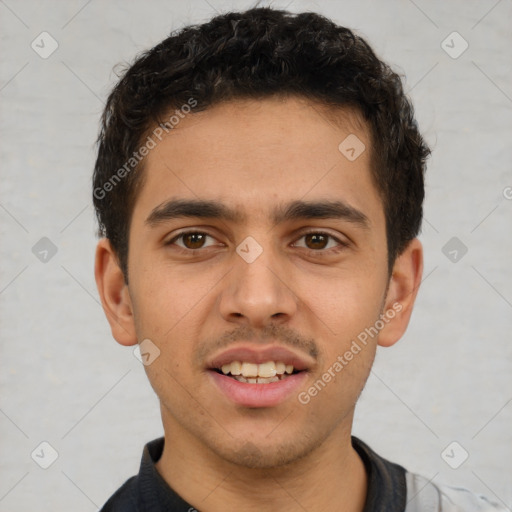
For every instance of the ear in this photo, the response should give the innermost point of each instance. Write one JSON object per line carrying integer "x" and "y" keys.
{"x": 402, "y": 290}
{"x": 114, "y": 294}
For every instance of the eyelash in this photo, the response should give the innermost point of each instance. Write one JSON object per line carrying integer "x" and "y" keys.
{"x": 317, "y": 252}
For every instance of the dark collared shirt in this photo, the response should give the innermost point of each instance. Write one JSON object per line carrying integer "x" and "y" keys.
{"x": 391, "y": 488}
{"x": 148, "y": 491}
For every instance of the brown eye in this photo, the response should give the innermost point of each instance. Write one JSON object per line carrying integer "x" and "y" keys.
{"x": 190, "y": 240}
{"x": 320, "y": 242}
{"x": 316, "y": 240}
{"x": 193, "y": 240}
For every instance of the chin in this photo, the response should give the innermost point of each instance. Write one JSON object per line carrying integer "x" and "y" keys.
{"x": 263, "y": 454}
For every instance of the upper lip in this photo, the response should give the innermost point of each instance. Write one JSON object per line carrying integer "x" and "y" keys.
{"x": 257, "y": 355}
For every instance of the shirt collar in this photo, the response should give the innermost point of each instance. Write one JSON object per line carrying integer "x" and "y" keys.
{"x": 386, "y": 490}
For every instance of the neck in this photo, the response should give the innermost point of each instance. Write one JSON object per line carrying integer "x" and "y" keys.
{"x": 331, "y": 475}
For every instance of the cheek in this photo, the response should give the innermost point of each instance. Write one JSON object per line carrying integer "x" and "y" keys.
{"x": 344, "y": 308}
{"x": 172, "y": 308}
{"x": 336, "y": 387}
{"x": 172, "y": 321}
{"x": 165, "y": 300}
{"x": 344, "y": 304}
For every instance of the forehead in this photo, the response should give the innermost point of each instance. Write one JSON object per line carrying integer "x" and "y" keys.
{"x": 254, "y": 154}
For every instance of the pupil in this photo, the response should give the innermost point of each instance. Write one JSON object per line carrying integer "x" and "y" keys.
{"x": 198, "y": 237}
{"x": 316, "y": 238}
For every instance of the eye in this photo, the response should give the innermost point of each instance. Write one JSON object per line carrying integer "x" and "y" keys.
{"x": 317, "y": 241}
{"x": 191, "y": 240}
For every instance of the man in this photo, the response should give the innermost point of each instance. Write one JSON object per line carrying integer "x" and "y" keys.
{"x": 259, "y": 189}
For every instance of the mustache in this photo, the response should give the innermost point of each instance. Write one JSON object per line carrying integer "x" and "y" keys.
{"x": 284, "y": 335}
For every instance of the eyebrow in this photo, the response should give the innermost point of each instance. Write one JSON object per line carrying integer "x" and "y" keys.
{"x": 295, "y": 210}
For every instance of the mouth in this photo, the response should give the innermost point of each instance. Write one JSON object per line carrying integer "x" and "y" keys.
{"x": 251, "y": 376}
{"x": 253, "y": 373}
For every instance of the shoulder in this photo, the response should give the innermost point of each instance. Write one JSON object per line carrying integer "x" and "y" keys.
{"x": 425, "y": 496}
{"x": 124, "y": 499}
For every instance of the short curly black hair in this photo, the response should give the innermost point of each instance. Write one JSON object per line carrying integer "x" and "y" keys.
{"x": 259, "y": 53}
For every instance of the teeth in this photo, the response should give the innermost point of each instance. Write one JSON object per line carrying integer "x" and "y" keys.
{"x": 236, "y": 368}
{"x": 267, "y": 370}
{"x": 249, "y": 370}
{"x": 261, "y": 380}
{"x": 258, "y": 380}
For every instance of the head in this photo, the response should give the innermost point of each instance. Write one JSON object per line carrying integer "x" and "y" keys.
{"x": 292, "y": 153}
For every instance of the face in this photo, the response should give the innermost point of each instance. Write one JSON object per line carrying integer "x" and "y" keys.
{"x": 283, "y": 263}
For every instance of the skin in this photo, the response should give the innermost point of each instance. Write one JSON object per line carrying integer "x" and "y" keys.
{"x": 299, "y": 293}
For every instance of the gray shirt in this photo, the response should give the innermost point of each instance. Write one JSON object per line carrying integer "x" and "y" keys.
{"x": 424, "y": 496}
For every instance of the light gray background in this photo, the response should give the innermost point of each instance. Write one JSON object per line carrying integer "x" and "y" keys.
{"x": 65, "y": 380}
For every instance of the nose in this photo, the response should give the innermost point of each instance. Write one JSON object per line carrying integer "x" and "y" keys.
{"x": 258, "y": 293}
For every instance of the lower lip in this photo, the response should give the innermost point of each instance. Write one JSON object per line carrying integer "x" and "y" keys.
{"x": 258, "y": 395}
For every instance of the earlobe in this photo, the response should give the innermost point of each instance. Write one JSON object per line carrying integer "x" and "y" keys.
{"x": 114, "y": 294}
{"x": 403, "y": 288}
